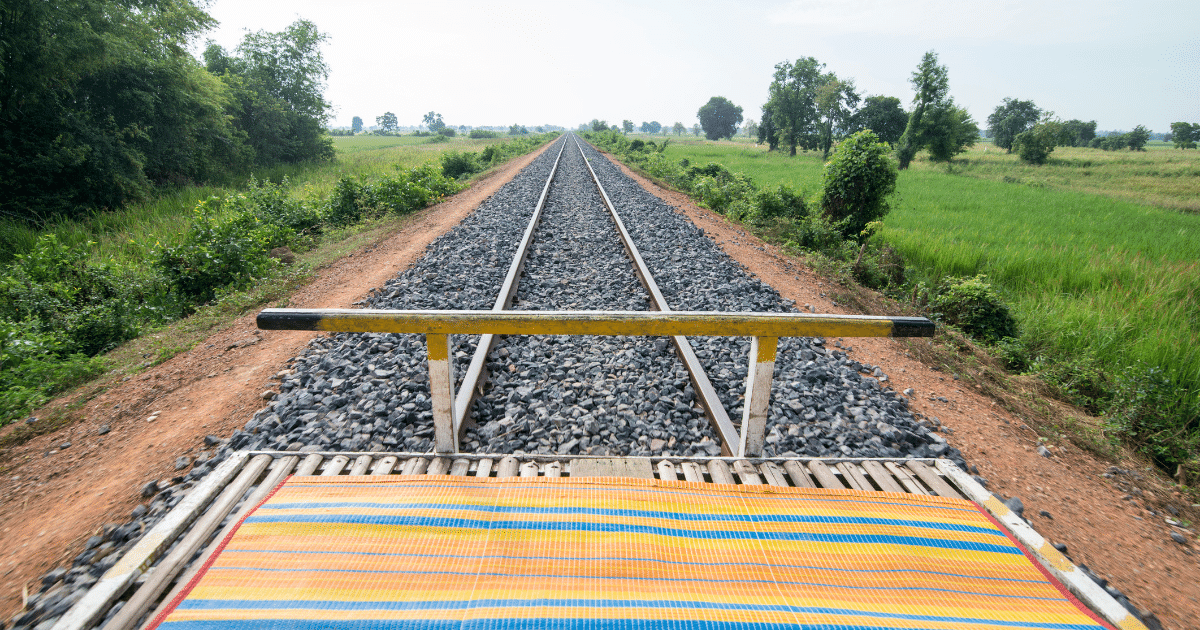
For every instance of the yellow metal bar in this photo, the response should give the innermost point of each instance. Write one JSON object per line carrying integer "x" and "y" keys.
{"x": 635, "y": 323}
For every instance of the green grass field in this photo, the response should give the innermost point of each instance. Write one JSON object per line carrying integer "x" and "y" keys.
{"x": 1098, "y": 252}
{"x": 127, "y": 235}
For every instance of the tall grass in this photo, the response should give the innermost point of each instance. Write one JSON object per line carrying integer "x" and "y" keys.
{"x": 1092, "y": 250}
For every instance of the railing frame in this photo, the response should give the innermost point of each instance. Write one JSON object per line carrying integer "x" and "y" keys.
{"x": 764, "y": 329}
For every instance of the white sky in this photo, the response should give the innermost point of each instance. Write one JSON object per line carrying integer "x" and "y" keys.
{"x": 1119, "y": 62}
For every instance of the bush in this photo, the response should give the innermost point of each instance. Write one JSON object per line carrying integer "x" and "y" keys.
{"x": 478, "y": 134}
{"x": 976, "y": 308}
{"x": 449, "y": 132}
{"x": 1148, "y": 411}
{"x": 1036, "y": 145}
{"x": 35, "y": 364}
{"x": 783, "y": 202}
{"x": 858, "y": 180}
{"x": 437, "y": 139}
{"x": 458, "y": 165}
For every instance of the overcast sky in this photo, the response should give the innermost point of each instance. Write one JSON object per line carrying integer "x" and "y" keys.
{"x": 1119, "y": 62}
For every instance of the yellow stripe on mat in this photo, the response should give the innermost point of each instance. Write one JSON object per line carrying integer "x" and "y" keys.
{"x": 441, "y": 552}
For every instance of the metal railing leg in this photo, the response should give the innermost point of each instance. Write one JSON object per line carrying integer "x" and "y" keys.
{"x": 758, "y": 396}
{"x": 441, "y": 388}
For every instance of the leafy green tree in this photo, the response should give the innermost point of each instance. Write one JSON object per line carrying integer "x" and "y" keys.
{"x": 679, "y": 129}
{"x": 387, "y": 122}
{"x": 751, "y": 128}
{"x": 1137, "y": 139}
{"x": 792, "y": 102}
{"x": 1035, "y": 145}
{"x": 719, "y": 117}
{"x": 1076, "y": 133}
{"x": 932, "y": 84}
{"x": 433, "y": 121}
{"x": 1112, "y": 142}
{"x": 356, "y": 125}
{"x": 1011, "y": 118}
{"x": 599, "y": 125}
{"x": 695, "y": 129}
{"x": 836, "y": 100}
{"x": 859, "y": 178}
{"x": 518, "y": 130}
{"x": 627, "y": 126}
{"x": 1184, "y": 135}
{"x": 881, "y": 114}
{"x": 656, "y": 127}
{"x": 278, "y": 82}
{"x": 950, "y": 130}
{"x": 767, "y": 132}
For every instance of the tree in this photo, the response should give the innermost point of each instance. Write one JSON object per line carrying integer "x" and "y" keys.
{"x": 627, "y": 126}
{"x": 433, "y": 121}
{"x": 751, "y": 128}
{"x": 719, "y": 117}
{"x": 1076, "y": 133}
{"x": 935, "y": 121}
{"x": 858, "y": 180}
{"x": 836, "y": 100}
{"x": 679, "y": 129}
{"x": 1184, "y": 135}
{"x": 695, "y": 129}
{"x": 1035, "y": 145}
{"x": 950, "y": 130}
{"x": 767, "y": 132}
{"x": 881, "y": 114}
{"x": 792, "y": 102}
{"x": 387, "y": 122}
{"x": 1137, "y": 139}
{"x": 655, "y": 126}
{"x": 1011, "y": 118}
{"x": 356, "y": 125}
{"x": 599, "y": 125}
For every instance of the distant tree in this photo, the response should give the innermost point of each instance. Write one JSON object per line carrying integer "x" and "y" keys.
{"x": 654, "y": 126}
{"x": 836, "y": 100}
{"x": 356, "y": 125}
{"x": 1076, "y": 133}
{"x": 627, "y": 126}
{"x": 518, "y": 130}
{"x": 751, "y": 128}
{"x": 950, "y": 130}
{"x": 881, "y": 114}
{"x": 1111, "y": 142}
{"x": 599, "y": 125}
{"x": 1184, "y": 135}
{"x": 433, "y": 120}
{"x": 679, "y": 129}
{"x": 858, "y": 181}
{"x": 695, "y": 129}
{"x": 719, "y": 117}
{"x": 1137, "y": 139}
{"x": 767, "y": 132}
{"x": 387, "y": 122}
{"x": 792, "y": 102}
{"x": 1035, "y": 145}
{"x": 936, "y": 122}
{"x": 614, "y": 128}
{"x": 1012, "y": 117}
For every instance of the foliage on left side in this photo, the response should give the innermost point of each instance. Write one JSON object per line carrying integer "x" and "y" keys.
{"x": 101, "y": 102}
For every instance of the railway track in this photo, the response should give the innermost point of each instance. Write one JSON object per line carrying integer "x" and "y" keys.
{"x": 568, "y": 234}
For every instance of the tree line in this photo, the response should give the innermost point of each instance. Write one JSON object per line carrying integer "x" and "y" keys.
{"x": 101, "y": 102}
{"x": 809, "y": 108}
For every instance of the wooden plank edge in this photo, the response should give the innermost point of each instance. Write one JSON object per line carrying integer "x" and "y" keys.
{"x": 1076, "y": 581}
{"x": 139, "y": 558}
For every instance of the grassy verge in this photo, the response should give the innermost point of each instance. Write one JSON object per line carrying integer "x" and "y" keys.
{"x": 1106, "y": 291}
{"x": 81, "y": 290}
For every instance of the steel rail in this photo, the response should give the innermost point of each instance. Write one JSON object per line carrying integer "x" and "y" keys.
{"x": 718, "y": 417}
{"x": 476, "y": 375}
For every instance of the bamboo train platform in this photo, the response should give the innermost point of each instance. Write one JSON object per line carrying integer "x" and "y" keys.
{"x": 719, "y": 503}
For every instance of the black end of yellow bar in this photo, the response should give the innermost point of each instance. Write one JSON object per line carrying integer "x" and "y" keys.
{"x": 911, "y": 327}
{"x": 287, "y": 319}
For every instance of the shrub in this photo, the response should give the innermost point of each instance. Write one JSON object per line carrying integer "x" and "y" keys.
{"x": 1148, "y": 411}
{"x": 345, "y": 205}
{"x": 457, "y": 165}
{"x": 478, "y": 134}
{"x": 220, "y": 251}
{"x": 1036, "y": 145}
{"x": 858, "y": 180}
{"x": 437, "y": 139}
{"x": 976, "y": 308}
{"x": 783, "y": 202}
{"x": 35, "y": 364}
{"x": 449, "y": 132}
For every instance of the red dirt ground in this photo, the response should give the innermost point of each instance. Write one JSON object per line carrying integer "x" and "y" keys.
{"x": 54, "y": 499}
